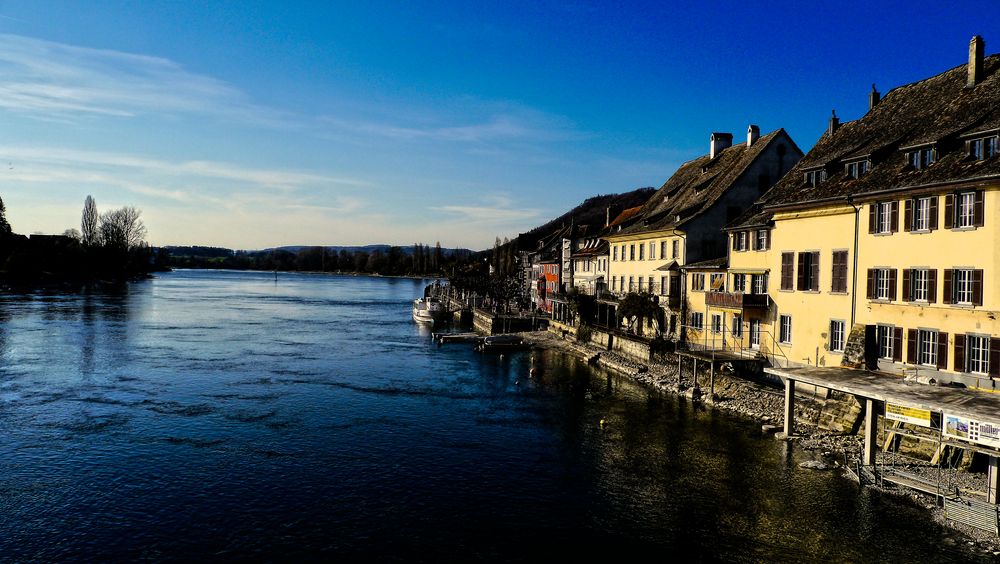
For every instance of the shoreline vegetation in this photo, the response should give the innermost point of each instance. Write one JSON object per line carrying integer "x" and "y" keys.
{"x": 763, "y": 404}
{"x": 109, "y": 248}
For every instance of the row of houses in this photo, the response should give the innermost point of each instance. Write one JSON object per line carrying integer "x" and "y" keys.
{"x": 877, "y": 248}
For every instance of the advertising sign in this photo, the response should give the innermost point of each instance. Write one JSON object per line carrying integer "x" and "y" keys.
{"x": 912, "y": 415}
{"x": 971, "y": 430}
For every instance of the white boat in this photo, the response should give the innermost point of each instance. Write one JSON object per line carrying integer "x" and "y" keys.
{"x": 428, "y": 310}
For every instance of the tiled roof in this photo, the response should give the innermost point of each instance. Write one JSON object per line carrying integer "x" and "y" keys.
{"x": 940, "y": 110}
{"x": 697, "y": 185}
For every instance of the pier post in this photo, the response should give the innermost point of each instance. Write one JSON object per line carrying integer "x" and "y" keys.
{"x": 711, "y": 382}
{"x": 871, "y": 432}
{"x": 694, "y": 373}
{"x": 992, "y": 480}
{"x": 680, "y": 367}
{"x": 789, "y": 406}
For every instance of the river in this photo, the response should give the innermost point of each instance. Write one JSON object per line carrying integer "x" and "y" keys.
{"x": 229, "y": 415}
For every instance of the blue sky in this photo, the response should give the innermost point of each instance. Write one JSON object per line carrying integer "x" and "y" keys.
{"x": 254, "y": 124}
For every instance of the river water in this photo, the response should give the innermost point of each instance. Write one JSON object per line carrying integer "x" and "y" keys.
{"x": 226, "y": 415}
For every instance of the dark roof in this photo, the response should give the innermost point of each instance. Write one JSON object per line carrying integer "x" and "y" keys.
{"x": 710, "y": 264}
{"x": 624, "y": 217}
{"x": 938, "y": 110}
{"x": 698, "y": 183}
{"x": 595, "y": 247}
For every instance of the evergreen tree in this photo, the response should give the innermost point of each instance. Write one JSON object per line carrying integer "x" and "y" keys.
{"x": 90, "y": 235}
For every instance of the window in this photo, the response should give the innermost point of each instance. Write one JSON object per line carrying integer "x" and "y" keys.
{"x": 739, "y": 283}
{"x": 631, "y": 284}
{"x": 716, "y": 323}
{"x": 785, "y": 334}
{"x": 740, "y": 241}
{"x": 839, "y": 275}
{"x": 815, "y": 177}
{"x": 920, "y": 287}
{"x": 663, "y": 249}
{"x": 614, "y": 255}
{"x": 718, "y": 282}
{"x": 923, "y": 210}
{"x": 963, "y": 281}
{"x": 837, "y": 335}
{"x": 631, "y": 252}
{"x": 884, "y": 335}
{"x": 652, "y": 250}
{"x": 808, "y": 279}
{"x": 697, "y": 320}
{"x": 737, "y": 328}
{"x": 927, "y": 347}
{"x": 650, "y": 286}
{"x": 759, "y": 283}
{"x": 642, "y": 251}
{"x": 698, "y": 281}
{"x": 883, "y": 217}
{"x": 663, "y": 285}
{"x": 641, "y": 284}
{"x": 977, "y": 354}
{"x": 882, "y": 284}
{"x": 675, "y": 251}
{"x": 921, "y": 158}
{"x": 983, "y": 148}
{"x": 964, "y": 210}
{"x": 614, "y": 284}
{"x": 856, "y": 169}
{"x": 762, "y": 242}
{"x": 787, "y": 268}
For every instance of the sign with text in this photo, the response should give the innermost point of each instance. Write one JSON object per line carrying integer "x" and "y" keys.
{"x": 971, "y": 430}
{"x": 912, "y": 415}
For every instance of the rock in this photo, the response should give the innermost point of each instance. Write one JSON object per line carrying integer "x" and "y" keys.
{"x": 814, "y": 465}
{"x": 766, "y": 429}
{"x": 781, "y": 436}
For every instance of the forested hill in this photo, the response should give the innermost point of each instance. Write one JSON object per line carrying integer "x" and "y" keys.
{"x": 593, "y": 211}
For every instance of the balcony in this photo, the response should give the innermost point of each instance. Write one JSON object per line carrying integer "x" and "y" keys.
{"x": 737, "y": 301}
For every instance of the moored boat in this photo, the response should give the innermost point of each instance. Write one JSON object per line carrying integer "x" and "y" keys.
{"x": 428, "y": 310}
{"x": 501, "y": 343}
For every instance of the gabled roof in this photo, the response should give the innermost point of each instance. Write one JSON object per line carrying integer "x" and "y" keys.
{"x": 710, "y": 264}
{"x": 939, "y": 110}
{"x": 699, "y": 183}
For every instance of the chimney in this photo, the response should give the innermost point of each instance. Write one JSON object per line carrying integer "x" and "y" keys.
{"x": 834, "y": 123}
{"x": 873, "y": 98}
{"x": 753, "y": 134}
{"x": 720, "y": 141}
{"x": 976, "y": 47}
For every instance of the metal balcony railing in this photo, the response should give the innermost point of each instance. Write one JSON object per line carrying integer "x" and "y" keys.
{"x": 737, "y": 300}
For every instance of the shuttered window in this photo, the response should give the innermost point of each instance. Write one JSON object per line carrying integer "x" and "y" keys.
{"x": 762, "y": 240}
{"x": 882, "y": 284}
{"x": 839, "y": 274}
{"x": 883, "y": 217}
{"x": 787, "y": 267}
{"x": 964, "y": 286}
{"x": 964, "y": 210}
{"x": 808, "y": 277}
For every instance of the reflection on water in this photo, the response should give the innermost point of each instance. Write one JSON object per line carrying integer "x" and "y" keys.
{"x": 223, "y": 414}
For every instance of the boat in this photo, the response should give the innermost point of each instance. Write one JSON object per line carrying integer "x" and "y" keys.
{"x": 428, "y": 310}
{"x": 501, "y": 343}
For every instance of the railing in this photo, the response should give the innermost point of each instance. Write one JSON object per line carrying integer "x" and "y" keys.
{"x": 724, "y": 340}
{"x": 737, "y": 300}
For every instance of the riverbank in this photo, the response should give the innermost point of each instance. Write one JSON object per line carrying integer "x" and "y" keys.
{"x": 764, "y": 404}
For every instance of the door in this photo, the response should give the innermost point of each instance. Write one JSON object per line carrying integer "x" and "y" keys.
{"x": 755, "y": 334}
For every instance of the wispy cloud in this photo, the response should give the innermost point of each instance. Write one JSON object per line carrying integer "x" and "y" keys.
{"x": 493, "y": 210}
{"x": 55, "y": 80}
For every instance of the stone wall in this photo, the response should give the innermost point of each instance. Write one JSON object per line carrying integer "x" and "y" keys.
{"x": 632, "y": 347}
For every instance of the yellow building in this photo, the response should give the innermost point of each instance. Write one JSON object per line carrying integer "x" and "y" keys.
{"x": 682, "y": 221}
{"x": 883, "y": 239}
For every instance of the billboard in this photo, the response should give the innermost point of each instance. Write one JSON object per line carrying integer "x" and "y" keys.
{"x": 971, "y": 430}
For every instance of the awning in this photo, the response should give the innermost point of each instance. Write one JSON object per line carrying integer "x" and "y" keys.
{"x": 672, "y": 265}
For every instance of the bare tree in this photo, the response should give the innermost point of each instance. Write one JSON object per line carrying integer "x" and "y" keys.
{"x": 122, "y": 229}
{"x": 90, "y": 236}
{"x": 72, "y": 234}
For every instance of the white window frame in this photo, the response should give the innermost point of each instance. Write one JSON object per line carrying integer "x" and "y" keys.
{"x": 697, "y": 320}
{"x": 675, "y": 246}
{"x": 755, "y": 334}
{"x": 883, "y": 217}
{"x": 741, "y": 240}
{"x": 737, "y": 328}
{"x": 716, "y": 323}
{"x": 882, "y": 290}
{"x": 919, "y": 284}
{"x": 965, "y": 209}
{"x": 962, "y": 282}
{"x": 711, "y": 281}
{"x": 927, "y": 347}
{"x": 922, "y": 214}
{"x": 884, "y": 340}
{"x": 759, "y": 283}
{"x": 739, "y": 283}
{"x": 977, "y": 354}
{"x": 762, "y": 239}
{"x": 785, "y": 329}
{"x": 838, "y": 337}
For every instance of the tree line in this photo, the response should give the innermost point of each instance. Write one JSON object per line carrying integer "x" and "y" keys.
{"x": 420, "y": 260}
{"x": 108, "y": 246}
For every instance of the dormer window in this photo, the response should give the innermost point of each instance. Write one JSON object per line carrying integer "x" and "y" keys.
{"x": 983, "y": 148}
{"x": 815, "y": 177}
{"x": 921, "y": 158}
{"x": 856, "y": 169}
